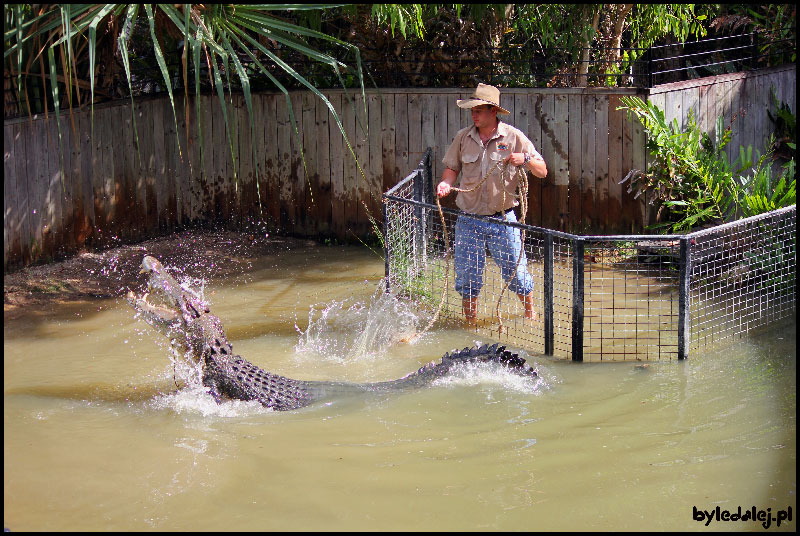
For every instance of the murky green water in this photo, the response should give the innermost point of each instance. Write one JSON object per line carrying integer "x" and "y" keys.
{"x": 96, "y": 436}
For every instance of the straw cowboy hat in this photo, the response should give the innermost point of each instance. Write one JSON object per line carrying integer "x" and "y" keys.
{"x": 484, "y": 94}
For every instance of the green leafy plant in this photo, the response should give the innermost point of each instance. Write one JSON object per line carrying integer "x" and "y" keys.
{"x": 689, "y": 177}
{"x": 785, "y": 127}
{"x": 759, "y": 191}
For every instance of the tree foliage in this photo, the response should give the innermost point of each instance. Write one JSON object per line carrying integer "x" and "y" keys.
{"x": 225, "y": 41}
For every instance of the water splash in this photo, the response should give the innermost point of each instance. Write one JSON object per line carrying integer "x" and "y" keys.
{"x": 475, "y": 374}
{"x": 195, "y": 400}
{"x": 350, "y": 330}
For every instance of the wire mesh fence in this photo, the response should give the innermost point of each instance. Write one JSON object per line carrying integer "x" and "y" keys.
{"x": 742, "y": 276}
{"x": 597, "y": 298}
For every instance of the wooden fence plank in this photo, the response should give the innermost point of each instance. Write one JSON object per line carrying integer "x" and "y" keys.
{"x": 96, "y": 179}
{"x": 111, "y": 183}
{"x": 455, "y": 117}
{"x": 588, "y": 171}
{"x": 258, "y": 147}
{"x": 427, "y": 123}
{"x": 226, "y": 161}
{"x": 159, "y": 163}
{"x": 271, "y": 180}
{"x": 78, "y": 211}
{"x": 195, "y": 164}
{"x": 362, "y": 180}
{"x": 535, "y": 208}
{"x": 219, "y": 155}
{"x": 520, "y": 117}
{"x": 691, "y": 104}
{"x": 375, "y": 183}
{"x": 206, "y": 158}
{"x": 12, "y": 249}
{"x": 49, "y": 211}
{"x": 742, "y": 133}
{"x": 401, "y": 158}
{"x": 134, "y": 165}
{"x": 180, "y": 163}
{"x": 307, "y": 178}
{"x": 87, "y": 174}
{"x": 673, "y": 107}
{"x": 615, "y": 166}
{"x": 601, "y": 160}
{"x": 126, "y": 157}
{"x": 561, "y": 159}
{"x": 763, "y": 126}
{"x": 26, "y": 174}
{"x": 248, "y": 203}
{"x": 106, "y": 193}
{"x": 172, "y": 158}
{"x": 733, "y": 146}
{"x": 54, "y": 190}
{"x": 550, "y": 216}
{"x": 234, "y": 176}
{"x": 35, "y": 187}
{"x": 631, "y": 217}
{"x": 388, "y": 130}
{"x": 323, "y": 168}
{"x": 575, "y": 158}
{"x": 337, "y": 158}
{"x": 66, "y": 241}
{"x": 441, "y": 111}
{"x": 284, "y": 164}
{"x": 415, "y": 148}
{"x": 352, "y": 173}
{"x": 144, "y": 182}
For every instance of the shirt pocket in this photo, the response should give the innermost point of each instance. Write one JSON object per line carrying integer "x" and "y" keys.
{"x": 471, "y": 166}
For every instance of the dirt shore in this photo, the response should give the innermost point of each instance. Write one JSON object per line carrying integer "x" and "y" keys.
{"x": 111, "y": 273}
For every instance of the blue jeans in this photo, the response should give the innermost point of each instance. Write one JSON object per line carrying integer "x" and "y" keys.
{"x": 504, "y": 243}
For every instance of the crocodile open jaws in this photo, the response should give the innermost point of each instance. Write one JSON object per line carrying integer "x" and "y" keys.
{"x": 188, "y": 321}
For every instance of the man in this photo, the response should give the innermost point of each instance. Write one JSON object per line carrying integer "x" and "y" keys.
{"x": 473, "y": 153}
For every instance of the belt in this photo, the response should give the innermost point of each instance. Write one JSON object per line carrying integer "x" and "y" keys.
{"x": 502, "y": 213}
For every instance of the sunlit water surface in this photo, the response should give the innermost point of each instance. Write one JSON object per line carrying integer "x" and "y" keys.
{"x": 97, "y": 437}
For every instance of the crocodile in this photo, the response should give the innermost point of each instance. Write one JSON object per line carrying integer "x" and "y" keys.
{"x": 187, "y": 320}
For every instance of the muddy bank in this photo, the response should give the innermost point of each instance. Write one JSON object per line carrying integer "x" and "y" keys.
{"x": 111, "y": 273}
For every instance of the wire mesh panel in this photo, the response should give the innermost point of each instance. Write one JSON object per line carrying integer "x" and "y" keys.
{"x": 608, "y": 298}
{"x": 742, "y": 276}
{"x": 563, "y": 299}
{"x": 631, "y": 299}
{"x": 405, "y": 242}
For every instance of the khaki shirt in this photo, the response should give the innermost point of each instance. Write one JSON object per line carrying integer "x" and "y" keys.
{"x": 468, "y": 155}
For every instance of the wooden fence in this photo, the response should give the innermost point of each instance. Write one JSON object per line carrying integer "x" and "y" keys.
{"x": 100, "y": 190}
{"x": 742, "y": 99}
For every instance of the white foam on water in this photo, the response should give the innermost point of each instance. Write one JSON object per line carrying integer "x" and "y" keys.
{"x": 475, "y": 374}
{"x": 195, "y": 400}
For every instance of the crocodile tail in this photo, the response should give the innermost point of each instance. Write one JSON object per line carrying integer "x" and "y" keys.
{"x": 478, "y": 354}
